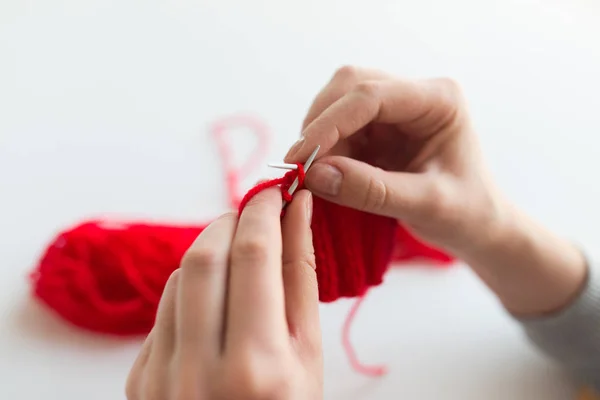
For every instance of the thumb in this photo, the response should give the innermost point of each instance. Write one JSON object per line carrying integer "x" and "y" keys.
{"x": 358, "y": 185}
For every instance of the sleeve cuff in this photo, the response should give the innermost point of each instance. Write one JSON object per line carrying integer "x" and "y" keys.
{"x": 572, "y": 336}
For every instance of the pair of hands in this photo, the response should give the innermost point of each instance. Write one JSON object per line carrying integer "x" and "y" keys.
{"x": 240, "y": 318}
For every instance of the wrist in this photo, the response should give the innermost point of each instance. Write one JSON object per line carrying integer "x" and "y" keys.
{"x": 531, "y": 270}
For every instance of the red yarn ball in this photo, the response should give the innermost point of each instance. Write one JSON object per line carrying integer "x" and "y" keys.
{"x": 109, "y": 278}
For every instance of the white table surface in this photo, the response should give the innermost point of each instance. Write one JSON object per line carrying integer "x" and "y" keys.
{"x": 104, "y": 107}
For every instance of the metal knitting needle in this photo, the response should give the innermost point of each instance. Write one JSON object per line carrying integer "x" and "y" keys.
{"x": 307, "y": 165}
{"x": 283, "y": 166}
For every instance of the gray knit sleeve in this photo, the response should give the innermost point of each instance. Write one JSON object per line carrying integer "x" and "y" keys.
{"x": 572, "y": 336}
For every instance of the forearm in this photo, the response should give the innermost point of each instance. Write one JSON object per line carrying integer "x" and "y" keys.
{"x": 549, "y": 286}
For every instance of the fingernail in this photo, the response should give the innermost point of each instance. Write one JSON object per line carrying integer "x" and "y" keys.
{"x": 309, "y": 207}
{"x": 295, "y": 148}
{"x": 325, "y": 179}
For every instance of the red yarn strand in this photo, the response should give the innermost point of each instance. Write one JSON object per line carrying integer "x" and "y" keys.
{"x": 355, "y": 363}
{"x": 234, "y": 176}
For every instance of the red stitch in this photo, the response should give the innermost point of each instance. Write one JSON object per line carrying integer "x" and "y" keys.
{"x": 284, "y": 182}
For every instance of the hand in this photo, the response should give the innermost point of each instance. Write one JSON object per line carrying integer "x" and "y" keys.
{"x": 407, "y": 149}
{"x": 240, "y": 318}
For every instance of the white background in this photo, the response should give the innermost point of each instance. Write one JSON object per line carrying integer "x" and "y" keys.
{"x": 104, "y": 108}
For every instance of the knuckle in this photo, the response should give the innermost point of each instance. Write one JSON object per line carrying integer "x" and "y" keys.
{"x": 305, "y": 270}
{"x": 252, "y": 250}
{"x": 312, "y": 347}
{"x": 450, "y": 110}
{"x": 201, "y": 258}
{"x": 306, "y": 261}
{"x": 450, "y": 84}
{"x": 451, "y": 92}
{"x": 149, "y": 395}
{"x": 368, "y": 89}
{"x": 183, "y": 391}
{"x": 346, "y": 72}
{"x": 247, "y": 381}
{"x": 257, "y": 377}
{"x": 440, "y": 203}
{"x": 376, "y": 195}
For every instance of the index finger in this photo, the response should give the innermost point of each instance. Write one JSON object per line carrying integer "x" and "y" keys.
{"x": 256, "y": 307}
{"x": 341, "y": 83}
{"x": 420, "y": 106}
